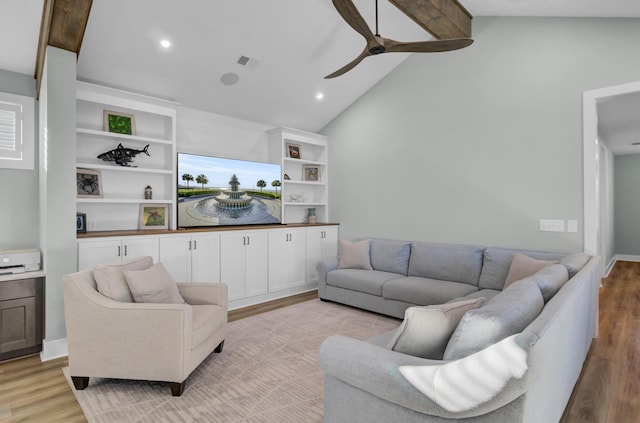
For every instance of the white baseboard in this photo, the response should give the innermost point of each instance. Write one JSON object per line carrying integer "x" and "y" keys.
{"x": 54, "y": 349}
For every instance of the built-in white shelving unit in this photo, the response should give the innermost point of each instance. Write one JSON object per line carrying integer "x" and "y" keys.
{"x": 123, "y": 187}
{"x": 299, "y": 194}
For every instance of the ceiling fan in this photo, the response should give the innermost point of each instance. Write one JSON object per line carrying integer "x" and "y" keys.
{"x": 377, "y": 44}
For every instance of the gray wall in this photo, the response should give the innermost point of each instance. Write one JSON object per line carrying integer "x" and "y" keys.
{"x": 18, "y": 188}
{"x": 477, "y": 145}
{"x": 627, "y": 204}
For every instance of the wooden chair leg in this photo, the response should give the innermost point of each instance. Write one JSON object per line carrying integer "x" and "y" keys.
{"x": 219, "y": 347}
{"x": 177, "y": 388}
{"x": 80, "y": 382}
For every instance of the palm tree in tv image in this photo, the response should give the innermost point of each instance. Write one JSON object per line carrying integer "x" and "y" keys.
{"x": 202, "y": 180}
{"x": 187, "y": 177}
{"x": 261, "y": 184}
{"x": 276, "y": 184}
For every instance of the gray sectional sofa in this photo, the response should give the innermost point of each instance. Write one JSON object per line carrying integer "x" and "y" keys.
{"x": 526, "y": 375}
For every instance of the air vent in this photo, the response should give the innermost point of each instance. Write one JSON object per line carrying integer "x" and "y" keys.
{"x": 243, "y": 60}
{"x": 635, "y": 143}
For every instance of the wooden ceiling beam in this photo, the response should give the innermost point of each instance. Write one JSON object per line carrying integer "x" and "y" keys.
{"x": 444, "y": 19}
{"x": 63, "y": 25}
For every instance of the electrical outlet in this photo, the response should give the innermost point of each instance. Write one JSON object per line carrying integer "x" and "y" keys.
{"x": 551, "y": 225}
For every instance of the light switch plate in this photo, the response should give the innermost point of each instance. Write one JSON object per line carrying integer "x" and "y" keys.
{"x": 551, "y": 225}
{"x": 572, "y": 226}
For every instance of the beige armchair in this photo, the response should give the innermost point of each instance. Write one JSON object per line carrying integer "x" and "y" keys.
{"x": 159, "y": 342}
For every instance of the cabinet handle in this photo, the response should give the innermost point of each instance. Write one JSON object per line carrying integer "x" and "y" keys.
{"x": 195, "y": 246}
{"x": 189, "y": 245}
{"x": 244, "y": 240}
{"x": 248, "y": 240}
{"x": 119, "y": 250}
{"x": 125, "y": 250}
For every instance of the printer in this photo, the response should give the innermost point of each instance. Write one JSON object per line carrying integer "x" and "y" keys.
{"x": 19, "y": 261}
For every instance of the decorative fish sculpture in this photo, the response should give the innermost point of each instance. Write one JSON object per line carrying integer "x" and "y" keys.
{"x": 123, "y": 155}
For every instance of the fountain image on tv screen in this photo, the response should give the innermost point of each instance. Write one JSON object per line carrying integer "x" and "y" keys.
{"x": 214, "y": 191}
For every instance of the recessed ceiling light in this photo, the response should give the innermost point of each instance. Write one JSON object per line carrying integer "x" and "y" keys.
{"x": 319, "y": 96}
{"x": 165, "y": 43}
{"x": 229, "y": 78}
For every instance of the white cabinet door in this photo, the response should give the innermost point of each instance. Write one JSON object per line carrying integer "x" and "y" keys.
{"x": 232, "y": 271}
{"x": 278, "y": 259}
{"x": 322, "y": 242}
{"x": 91, "y": 254}
{"x": 176, "y": 257}
{"x": 111, "y": 251}
{"x": 297, "y": 257}
{"x": 138, "y": 247}
{"x": 256, "y": 263}
{"x": 205, "y": 258}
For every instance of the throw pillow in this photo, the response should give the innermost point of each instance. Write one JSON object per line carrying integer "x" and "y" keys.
{"x": 154, "y": 285}
{"x": 575, "y": 262}
{"x": 354, "y": 255}
{"x": 550, "y": 279}
{"x": 508, "y": 313}
{"x": 425, "y": 331}
{"x": 110, "y": 280}
{"x": 523, "y": 266}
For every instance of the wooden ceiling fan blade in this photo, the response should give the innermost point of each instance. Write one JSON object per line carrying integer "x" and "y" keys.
{"x": 346, "y": 68}
{"x": 444, "y": 19}
{"x": 350, "y": 14}
{"x": 427, "y": 46}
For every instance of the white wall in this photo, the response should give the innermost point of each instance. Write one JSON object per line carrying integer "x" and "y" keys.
{"x": 477, "y": 145}
{"x": 207, "y": 133}
{"x": 18, "y": 188}
{"x": 627, "y": 204}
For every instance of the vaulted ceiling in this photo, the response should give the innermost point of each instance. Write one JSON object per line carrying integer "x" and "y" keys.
{"x": 290, "y": 45}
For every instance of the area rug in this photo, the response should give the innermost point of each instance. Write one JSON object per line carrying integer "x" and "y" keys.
{"x": 267, "y": 372}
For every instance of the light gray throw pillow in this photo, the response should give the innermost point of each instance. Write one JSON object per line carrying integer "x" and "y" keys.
{"x": 508, "y": 313}
{"x": 575, "y": 262}
{"x": 550, "y": 279}
{"x": 426, "y": 330}
{"x": 110, "y": 280}
{"x": 154, "y": 285}
{"x": 354, "y": 255}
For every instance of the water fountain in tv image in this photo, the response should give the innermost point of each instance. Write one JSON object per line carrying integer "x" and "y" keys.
{"x": 236, "y": 207}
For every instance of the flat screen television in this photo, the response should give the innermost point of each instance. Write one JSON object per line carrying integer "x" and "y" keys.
{"x": 215, "y": 191}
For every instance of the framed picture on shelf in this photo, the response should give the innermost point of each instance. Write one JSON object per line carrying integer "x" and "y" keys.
{"x": 311, "y": 173}
{"x": 120, "y": 123}
{"x": 154, "y": 216}
{"x": 88, "y": 183}
{"x": 293, "y": 151}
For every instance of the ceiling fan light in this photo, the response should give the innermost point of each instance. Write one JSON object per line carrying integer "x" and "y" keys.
{"x": 165, "y": 43}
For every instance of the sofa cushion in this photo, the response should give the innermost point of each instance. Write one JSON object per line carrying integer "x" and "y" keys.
{"x": 369, "y": 281}
{"x": 446, "y": 262}
{"x": 550, "y": 279}
{"x": 110, "y": 280}
{"x": 154, "y": 285}
{"x": 426, "y": 330}
{"x": 496, "y": 263}
{"x": 575, "y": 262}
{"x": 487, "y": 294}
{"x": 354, "y": 255}
{"x": 424, "y": 291}
{"x": 523, "y": 266}
{"x": 508, "y": 313}
{"x": 207, "y": 318}
{"x": 390, "y": 255}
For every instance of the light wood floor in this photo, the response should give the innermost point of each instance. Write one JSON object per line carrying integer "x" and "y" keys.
{"x": 608, "y": 390}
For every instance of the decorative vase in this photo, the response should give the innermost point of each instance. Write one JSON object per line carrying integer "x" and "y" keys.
{"x": 311, "y": 215}
{"x": 148, "y": 193}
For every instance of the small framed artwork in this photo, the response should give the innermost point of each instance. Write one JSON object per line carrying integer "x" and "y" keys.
{"x": 88, "y": 183}
{"x": 293, "y": 151}
{"x": 81, "y": 223}
{"x": 311, "y": 173}
{"x": 120, "y": 123}
{"x": 154, "y": 216}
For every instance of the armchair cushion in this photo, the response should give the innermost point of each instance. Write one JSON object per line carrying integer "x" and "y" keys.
{"x": 110, "y": 279}
{"x": 153, "y": 285}
{"x": 207, "y": 318}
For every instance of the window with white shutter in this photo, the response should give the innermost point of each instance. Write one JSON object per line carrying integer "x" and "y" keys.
{"x": 17, "y": 121}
